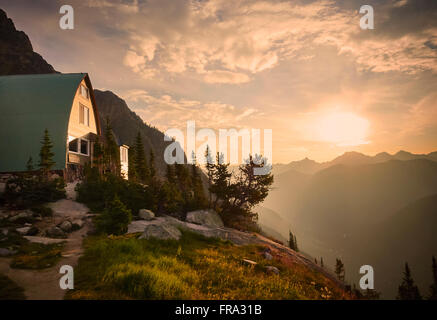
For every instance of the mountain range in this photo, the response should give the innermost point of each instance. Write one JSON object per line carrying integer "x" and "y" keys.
{"x": 378, "y": 210}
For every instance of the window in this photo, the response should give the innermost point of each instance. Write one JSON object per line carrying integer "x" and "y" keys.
{"x": 84, "y": 115}
{"x": 84, "y": 146}
{"x": 123, "y": 154}
{"x": 73, "y": 145}
{"x": 80, "y": 146}
{"x": 84, "y": 92}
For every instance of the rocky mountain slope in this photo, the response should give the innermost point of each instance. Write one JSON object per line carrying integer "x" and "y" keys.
{"x": 16, "y": 52}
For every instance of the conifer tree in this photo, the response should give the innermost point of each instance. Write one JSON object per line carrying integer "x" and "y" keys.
{"x": 295, "y": 244}
{"x": 408, "y": 290}
{"x": 140, "y": 161}
{"x": 170, "y": 175}
{"x": 433, "y": 288}
{"x": 199, "y": 198}
{"x": 46, "y": 154}
{"x": 98, "y": 156}
{"x": 131, "y": 163}
{"x": 152, "y": 169}
{"x": 291, "y": 243}
{"x": 339, "y": 269}
{"x": 321, "y": 262}
{"x": 111, "y": 150}
{"x": 209, "y": 165}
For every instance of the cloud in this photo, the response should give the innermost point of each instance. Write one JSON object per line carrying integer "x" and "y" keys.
{"x": 223, "y": 76}
{"x": 166, "y": 111}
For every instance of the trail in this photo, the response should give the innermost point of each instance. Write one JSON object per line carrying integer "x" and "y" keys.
{"x": 43, "y": 284}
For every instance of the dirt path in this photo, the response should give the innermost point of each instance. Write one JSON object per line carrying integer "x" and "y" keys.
{"x": 44, "y": 284}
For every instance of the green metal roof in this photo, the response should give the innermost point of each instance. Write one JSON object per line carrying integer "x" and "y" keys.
{"x": 28, "y": 105}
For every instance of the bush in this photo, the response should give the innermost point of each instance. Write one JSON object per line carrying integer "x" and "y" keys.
{"x": 97, "y": 191}
{"x": 42, "y": 210}
{"x": 115, "y": 218}
{"x": 26, "y": 191}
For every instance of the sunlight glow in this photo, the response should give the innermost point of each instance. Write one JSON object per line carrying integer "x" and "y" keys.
{"x": 343, "y": 129}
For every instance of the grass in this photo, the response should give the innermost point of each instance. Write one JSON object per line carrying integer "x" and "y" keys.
{"x": 194, "y": 267}
{"x": 37, "y": 256}
{"x": 9, "y": 290}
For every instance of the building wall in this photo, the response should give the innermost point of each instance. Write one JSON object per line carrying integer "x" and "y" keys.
{"x": 80, "y": 130}
{"x": 75, "y": 128}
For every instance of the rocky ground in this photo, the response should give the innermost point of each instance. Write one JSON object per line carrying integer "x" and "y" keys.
{"x": 69, "y": 223}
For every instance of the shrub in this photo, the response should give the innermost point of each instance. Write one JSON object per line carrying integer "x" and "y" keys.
{"x": 96, "y": 191}
{"x": 115, "y": 218}
{"x": 42, "y": 210}
{"x": 26, "y": 191}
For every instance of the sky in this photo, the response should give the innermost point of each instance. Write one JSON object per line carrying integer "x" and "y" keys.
{"x": 304, "y": 69}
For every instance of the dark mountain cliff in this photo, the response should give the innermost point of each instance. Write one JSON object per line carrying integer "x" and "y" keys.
{"x": 16, "y": 52}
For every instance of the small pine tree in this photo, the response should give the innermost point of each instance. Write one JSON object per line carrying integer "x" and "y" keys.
{"x": 29, "y": 164}
{"x": 46, "y": 154}
{"x": 291, "y": 239}
{"x": 339, "y": 269}
{"x": 115, "y": 218}
{"x": 433, "y": 288}
{"x": 295, "y": 244}
{"x": 408, "y": 290}
{"x": 315, "y": 260}
{"x": 321, "y": 262}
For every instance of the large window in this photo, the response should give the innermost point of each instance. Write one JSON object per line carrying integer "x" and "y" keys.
{"x": 84, "y": 92}
{"x": 123, "y": 154}
{"x": 84, "y": 115}
{"x": 79, "y": 145}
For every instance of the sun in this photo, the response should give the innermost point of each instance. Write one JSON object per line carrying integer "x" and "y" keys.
{"x": 343, "y": 129}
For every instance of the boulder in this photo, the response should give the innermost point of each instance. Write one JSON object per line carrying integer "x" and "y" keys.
{"x": 161, "y": 231}
{"x": 272, "y": 269}
{"x": 23, "y": 231}
{"x": 146, "y": 214}
{"x": 77, "y": 224}
{"x": 66, "y": 226}
{"x": 208, "y": 218}
{"x": 56, "y": 232}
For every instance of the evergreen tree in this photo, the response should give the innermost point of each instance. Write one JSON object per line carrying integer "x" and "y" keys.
{"x": 339, "y": 269}
{"x": 171, "y": 175}
{"x": 29, "y": 164}
{"x": 199, "y": 198}
{"x": 321, "y": 262}
{"x": 291, "y": 239}
{"x": 98, "y": 157}
{"x": 295, "y": 244}
{"x": 220, "y": 181}
{"x": 46, "y": 154}
{"x": 433, "y": 288}
{"x": 140, "y": 161}
{"x": 152, "y": 169}
{"x": 209, "y": 165}
{"x": 315, "y": 260}
{"x": 111, "y": 151}
{"x": 408, "y": 290}
{"x": 132, "y": 174}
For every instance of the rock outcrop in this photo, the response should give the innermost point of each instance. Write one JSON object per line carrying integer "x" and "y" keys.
{"x": 208, "y": 218}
